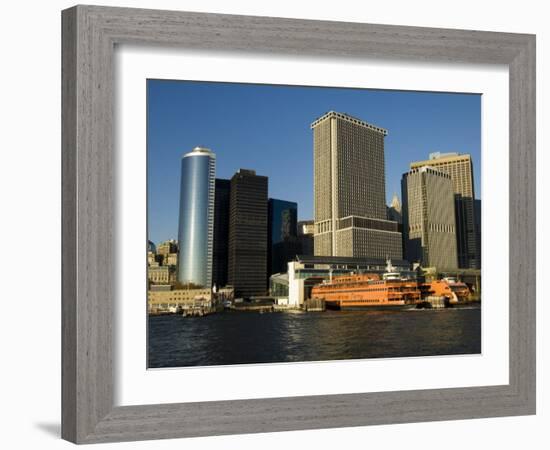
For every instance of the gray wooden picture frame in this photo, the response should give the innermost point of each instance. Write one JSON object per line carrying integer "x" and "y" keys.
{"x": 89, "y": 36}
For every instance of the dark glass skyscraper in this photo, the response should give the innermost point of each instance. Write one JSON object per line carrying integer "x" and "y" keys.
{"x": 221, "y": 232}
{"x": 196, "y": 217}
{"x": 247, "y": 261}
{"x": 282, "y": 240}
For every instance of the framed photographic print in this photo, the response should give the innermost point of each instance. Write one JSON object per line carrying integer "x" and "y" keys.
{"x": 291, "y": 215}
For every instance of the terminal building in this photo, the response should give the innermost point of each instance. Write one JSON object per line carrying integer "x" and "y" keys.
{"x": 293, "y": 288}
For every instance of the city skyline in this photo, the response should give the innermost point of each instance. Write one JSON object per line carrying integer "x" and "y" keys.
{"x": 279, "y": 145}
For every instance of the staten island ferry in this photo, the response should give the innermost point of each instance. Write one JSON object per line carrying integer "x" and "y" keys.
{"x": 455, "y": 292}
{"x": 369, "y": 291}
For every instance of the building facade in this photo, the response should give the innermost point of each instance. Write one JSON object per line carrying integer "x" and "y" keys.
{"x": 477, "y": 211}
{"x": 460, "y": 169}
{"x": 306, "y": 227}
{"x": 306, "y": 231}
{"x": 171, "y": 259}
{"x": 167, "y": 253}
{"x": 349, "y": 190}
{"x": 196, "y": 217}
{"x": 221, "y": 232}
{"x": 170, "y": 299}
{"x": 429, "y": 229}
{"x": 247, "y": 250}
{"x": 167, "y": 247}
{"x": 282, "y": 238}
{"x": 394, "y": 210}
{"x": 161, "y": 274}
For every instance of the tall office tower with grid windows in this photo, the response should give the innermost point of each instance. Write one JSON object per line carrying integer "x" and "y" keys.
{"x": 196, "y": 217}
{"x": 350, "y": 216}
{"x": 247, "y": 248}
{"x": 429, "y": 233}
{"x": 460, "y": 168}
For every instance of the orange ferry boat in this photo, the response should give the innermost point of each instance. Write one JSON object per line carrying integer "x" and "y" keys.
{"x": 369, "y": 291}
{"x": 454, "y": 291}
{"x": 389, "y": 291}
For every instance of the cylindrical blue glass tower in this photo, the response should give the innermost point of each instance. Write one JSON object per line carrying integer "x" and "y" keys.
{"x": 196, "y": 217}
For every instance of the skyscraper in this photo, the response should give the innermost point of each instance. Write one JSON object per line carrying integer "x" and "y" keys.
{"x": 460, "y": 168}
{"x": 247, "y": 258}
{"x": 394, "y": 210}
{"x": 305, "y": 237}
{"x": 221, "y": 232}
{"x": 282, "y": 239}
{"x": 350, "y": 193}
{"x": 196, "y": 217}
{"x": 429, "y": 233}
{"x": 477, "y": 208}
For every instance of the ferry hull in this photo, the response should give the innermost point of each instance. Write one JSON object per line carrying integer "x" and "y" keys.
{"x": 351, "y": 307}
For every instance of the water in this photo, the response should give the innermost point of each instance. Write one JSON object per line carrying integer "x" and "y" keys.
{"x": 250, "y": 337}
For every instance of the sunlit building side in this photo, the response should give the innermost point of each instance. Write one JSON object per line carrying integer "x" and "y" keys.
{"x": 429, "y": 229}
{"x": 460, "y": 168}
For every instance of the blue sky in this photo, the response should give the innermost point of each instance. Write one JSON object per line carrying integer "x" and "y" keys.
{"x": 266, "y": 128}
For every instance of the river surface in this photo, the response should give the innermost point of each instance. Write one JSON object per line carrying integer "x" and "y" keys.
{"x": 251, "y": 337}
